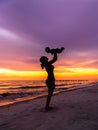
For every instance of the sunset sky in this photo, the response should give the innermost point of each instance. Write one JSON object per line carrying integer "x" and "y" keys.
{"x": 28, "y": 26}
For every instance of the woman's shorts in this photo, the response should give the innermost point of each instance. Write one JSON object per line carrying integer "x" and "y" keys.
{"x": 50, "y": 84}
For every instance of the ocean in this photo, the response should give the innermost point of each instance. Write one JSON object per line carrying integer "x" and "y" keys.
{"x": 13, "y": 91}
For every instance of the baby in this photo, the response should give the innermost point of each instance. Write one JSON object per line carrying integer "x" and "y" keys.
{"x": 52, "y": 51}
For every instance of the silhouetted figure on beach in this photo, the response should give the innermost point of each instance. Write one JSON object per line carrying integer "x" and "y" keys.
{"x": 50, "y": 82}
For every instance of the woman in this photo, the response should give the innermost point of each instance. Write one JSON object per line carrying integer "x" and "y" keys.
{"x": 50, "y": 82}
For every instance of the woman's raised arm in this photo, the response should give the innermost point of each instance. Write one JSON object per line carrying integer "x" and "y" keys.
{"x": 54, "y": 58}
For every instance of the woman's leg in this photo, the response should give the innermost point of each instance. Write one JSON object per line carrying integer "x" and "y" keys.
{"x": 50, "y": 93}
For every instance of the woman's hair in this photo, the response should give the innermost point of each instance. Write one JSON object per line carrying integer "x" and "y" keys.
{"x": 43, "y": 60}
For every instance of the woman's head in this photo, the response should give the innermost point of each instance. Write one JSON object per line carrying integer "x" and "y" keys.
{"x": 43, "y": 60}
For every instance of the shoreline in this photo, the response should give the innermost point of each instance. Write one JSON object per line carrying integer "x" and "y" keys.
{"x": 73, "y": 110}
{"x": 29, "y": 98}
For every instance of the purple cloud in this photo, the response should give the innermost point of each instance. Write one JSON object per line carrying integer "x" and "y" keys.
{"x": 72, "y": 24}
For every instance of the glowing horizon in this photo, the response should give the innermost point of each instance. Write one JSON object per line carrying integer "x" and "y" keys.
{"x": 71, "y": 73}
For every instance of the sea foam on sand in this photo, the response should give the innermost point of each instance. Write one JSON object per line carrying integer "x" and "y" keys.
{"x": 73, "y": 110}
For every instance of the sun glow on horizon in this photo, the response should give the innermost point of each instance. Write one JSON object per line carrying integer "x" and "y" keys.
{"x": 3, "y": 70}
{"x": 89, "y": 70}
{"x": 17, "y": 74}
{"x": 68, "y": 73}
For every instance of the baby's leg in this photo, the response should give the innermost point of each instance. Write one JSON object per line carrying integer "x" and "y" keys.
{"x": 59, "y": 50}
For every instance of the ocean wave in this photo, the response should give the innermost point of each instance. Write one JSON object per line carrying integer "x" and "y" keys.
{"x": 28, "y": 90}
{"x": 26, "y": 87}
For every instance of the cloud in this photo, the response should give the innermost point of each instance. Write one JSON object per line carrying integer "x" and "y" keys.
{"x": 72, "y": 24}
{"x": 61, "y": 22}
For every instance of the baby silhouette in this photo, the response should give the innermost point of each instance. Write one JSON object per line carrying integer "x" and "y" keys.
{"x": 52, "y": 51}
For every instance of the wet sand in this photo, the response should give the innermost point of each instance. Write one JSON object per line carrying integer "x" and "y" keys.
{"x": 72, "y": 110}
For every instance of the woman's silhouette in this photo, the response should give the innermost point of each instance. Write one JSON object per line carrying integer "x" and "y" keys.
{"x": 50, "y": 82}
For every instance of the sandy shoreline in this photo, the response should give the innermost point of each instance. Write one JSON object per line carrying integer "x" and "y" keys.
{"x": 73, "y": 110}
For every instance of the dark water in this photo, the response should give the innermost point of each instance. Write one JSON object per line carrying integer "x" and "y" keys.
{"x": 20, "y": 90}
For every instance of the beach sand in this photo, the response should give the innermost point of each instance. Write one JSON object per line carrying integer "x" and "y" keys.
{"x": 73, "y": 110}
